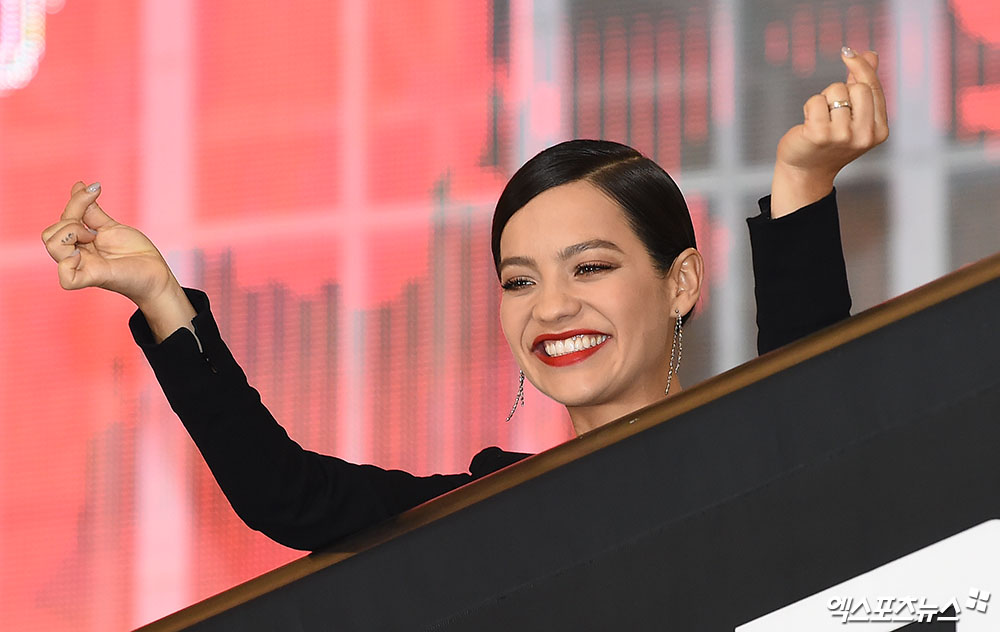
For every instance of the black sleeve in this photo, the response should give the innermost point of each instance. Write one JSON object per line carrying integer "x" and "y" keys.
{"x": 296, "y": 497}
{"x": 799, "y": 271}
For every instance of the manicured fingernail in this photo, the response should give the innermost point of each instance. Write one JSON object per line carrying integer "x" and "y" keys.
{"x": 94, "y": 188}
{"x": 75, "y": 252}
{"x": 92, "y": 231}
{"x": 848, "y": 52}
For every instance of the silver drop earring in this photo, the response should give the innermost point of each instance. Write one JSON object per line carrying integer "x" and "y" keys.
{"x": 675, "y": 350}
{"x": 520, "y": 395}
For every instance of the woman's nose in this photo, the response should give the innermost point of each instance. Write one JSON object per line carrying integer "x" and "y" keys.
{"x": 554, "y": 302}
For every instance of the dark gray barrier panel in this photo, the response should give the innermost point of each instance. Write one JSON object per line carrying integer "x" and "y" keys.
{"x": 750, "y": 491}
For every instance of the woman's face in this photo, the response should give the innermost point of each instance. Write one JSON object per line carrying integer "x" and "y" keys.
{"x": 585, "y": 312}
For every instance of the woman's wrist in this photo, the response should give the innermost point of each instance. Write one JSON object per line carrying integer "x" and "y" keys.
{"x": 168, "y": 311}
{"x": 793, "y": 188}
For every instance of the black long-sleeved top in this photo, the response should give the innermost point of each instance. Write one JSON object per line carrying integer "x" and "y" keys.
{"x": 799, "y": 272}
{"x": 306, "y": 500}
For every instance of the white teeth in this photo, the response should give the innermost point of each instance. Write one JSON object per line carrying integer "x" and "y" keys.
{"x": 555, "y": 348}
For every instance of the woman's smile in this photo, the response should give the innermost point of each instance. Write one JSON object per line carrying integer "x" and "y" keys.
{"x": 568, "y": 347}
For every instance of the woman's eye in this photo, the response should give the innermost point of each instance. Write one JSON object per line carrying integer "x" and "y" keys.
{"x": 515, "y": 284}
{"x": 585, "y": 269}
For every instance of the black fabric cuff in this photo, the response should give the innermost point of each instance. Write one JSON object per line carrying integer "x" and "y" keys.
{"x": 184, "y": 358}
{"x": 143, "y": 335}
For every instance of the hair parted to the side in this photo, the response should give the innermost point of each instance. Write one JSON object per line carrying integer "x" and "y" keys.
{"x": 653, "y": 205}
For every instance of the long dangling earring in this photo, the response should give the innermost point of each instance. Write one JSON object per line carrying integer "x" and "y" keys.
{"x": 675, "y": 350}
{"x": 520, "y": 396}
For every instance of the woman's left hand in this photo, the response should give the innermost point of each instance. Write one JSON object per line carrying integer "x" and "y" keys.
{"x": 811, "y": 154}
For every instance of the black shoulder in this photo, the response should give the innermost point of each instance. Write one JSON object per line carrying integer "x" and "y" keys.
{"x": 492, "y": 459}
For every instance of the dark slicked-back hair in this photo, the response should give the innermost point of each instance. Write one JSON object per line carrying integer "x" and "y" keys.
{"x": 653, "y": 205}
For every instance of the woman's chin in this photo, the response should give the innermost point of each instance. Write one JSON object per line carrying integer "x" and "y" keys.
{"x": 618, "y": 400}
{"x": 572, "y": 396}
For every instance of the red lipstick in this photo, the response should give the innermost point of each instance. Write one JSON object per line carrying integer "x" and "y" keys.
{"x": 538, "y": 347}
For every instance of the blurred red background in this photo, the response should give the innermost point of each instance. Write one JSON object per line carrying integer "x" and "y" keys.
{"x": 326, "y": 171}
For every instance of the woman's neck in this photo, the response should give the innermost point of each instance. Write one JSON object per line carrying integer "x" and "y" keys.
{"x": 587, "y": 418}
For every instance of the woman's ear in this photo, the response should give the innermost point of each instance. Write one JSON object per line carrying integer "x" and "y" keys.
{"x": 686, "y": 276}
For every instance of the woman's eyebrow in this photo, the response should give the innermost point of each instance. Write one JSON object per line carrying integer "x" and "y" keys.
{"x": 517, "y": 261}
{"x": 566, "y": 253}
{"x": 576, "y": 249}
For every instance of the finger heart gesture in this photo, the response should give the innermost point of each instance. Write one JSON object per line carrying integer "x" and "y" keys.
{"x": 93, "y": 250}
{"x": 842, "y": 122}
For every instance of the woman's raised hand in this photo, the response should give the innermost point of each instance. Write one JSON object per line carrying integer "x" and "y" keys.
{"x": 93, "y": 250}
{"x": 841, "y": 124}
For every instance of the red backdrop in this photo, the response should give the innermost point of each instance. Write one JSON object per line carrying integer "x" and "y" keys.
{"x": 326, "y": 171}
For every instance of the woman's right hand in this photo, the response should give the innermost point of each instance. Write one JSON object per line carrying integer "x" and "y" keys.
{"x": 93, "y": 250}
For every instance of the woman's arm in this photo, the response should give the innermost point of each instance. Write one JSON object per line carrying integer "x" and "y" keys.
{"x": 299, "y": 498}
{"x": 294, "y": 496}
{"x": 801, "y": 280}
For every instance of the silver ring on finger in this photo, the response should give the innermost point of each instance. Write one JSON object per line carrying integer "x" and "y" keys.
{"x": 839, "y": 104}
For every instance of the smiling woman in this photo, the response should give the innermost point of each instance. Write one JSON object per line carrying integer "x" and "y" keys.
{"x": 596, "y": 255}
